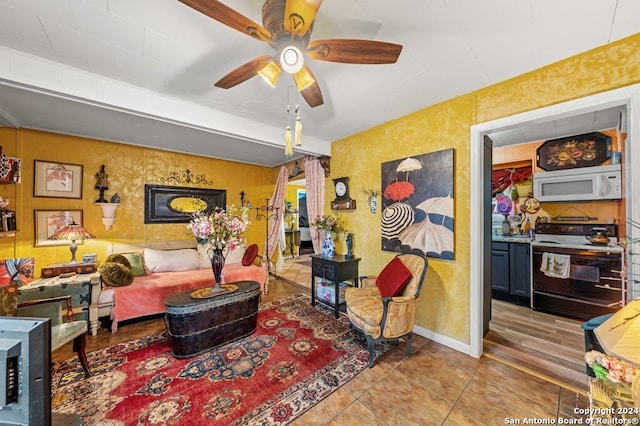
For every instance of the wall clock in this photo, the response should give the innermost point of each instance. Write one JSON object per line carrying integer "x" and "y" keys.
{"x": 342, "y": 200}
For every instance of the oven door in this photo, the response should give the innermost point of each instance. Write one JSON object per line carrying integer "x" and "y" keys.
{"x": 592, "y": 287}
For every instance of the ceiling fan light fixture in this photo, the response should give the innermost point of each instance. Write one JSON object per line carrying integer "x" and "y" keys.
{"x": 303, "y": 79}
{"x": 291, "y": 59}
{"x": 270, "y": 73}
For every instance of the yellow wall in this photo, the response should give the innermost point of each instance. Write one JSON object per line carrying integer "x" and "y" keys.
{"x": 444, "y": 305}
{"x": 129, "y": 168}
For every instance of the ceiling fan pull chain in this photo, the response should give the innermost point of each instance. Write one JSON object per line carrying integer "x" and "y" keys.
{"x": 298, "y": 127}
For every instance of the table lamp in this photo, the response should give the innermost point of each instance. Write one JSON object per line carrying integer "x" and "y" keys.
{"x": 72, "y": 232}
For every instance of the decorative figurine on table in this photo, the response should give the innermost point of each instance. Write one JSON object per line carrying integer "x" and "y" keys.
{"x": 349, "y": 241}
{"x": 102, "y": 184}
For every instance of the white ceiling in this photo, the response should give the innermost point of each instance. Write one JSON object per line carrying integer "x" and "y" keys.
{"x": 142, "y": 71}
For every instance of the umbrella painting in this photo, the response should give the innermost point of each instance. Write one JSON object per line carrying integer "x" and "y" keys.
{"x": 417, "y": 214}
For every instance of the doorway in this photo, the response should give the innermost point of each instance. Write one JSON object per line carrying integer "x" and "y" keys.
{"x": 627, "y": 98}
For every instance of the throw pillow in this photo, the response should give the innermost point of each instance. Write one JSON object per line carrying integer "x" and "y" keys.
{"x": 136, "y": 260}
{"x": 8, "y": 300}
{"x": 250, "y": 255}
{"x": 393, "y": 278}
{"x": 115, "y": 274}
{"x": 19, "y": 271}
{"x": 118, "y": 258}
{"x": 171, "y": 260}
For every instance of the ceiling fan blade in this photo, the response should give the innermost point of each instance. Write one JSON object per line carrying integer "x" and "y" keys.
{"x": 299, "y": 15}
{"x": 351, "y": 51}
{"x": 224, "y": 14}
{"x": 311, "y": 93}
{"x": 243, "y": 72}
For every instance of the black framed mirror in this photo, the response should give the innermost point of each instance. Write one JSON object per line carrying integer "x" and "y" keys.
{"x": 174, "y": 204}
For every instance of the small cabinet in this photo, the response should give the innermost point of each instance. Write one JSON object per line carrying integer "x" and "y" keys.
{"x": 520, "y": 269}
{"x": 500, "y": 267}
{"x": 511, "y": 269}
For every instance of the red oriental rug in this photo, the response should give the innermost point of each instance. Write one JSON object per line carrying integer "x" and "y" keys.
{"x": 298, "y": 356}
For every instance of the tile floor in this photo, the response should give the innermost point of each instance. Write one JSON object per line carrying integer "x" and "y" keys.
{"x": 436, "y": 386}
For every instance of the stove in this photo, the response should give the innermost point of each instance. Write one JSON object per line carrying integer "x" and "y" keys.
{"x": 574, "y": 236}
{"x": 573, "y": 277}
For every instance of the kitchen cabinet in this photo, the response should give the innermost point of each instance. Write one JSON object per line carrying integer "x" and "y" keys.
{"x": 511, "y": 269}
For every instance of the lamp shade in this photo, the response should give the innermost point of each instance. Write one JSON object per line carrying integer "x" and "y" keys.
{"x": 71, "y": 232}
{"x": 620, "y": 334}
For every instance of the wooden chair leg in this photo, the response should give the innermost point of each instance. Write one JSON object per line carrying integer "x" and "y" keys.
{"x": 409, "y": 346}
{"x": 79, "y": 344}
{"x": 371, "y": 352}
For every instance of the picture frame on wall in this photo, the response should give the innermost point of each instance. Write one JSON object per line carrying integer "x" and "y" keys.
{"x": 47, "y": 222}
{"x": 57, "y": 180}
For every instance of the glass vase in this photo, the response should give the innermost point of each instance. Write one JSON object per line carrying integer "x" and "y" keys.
{"x": 217, "y": 266}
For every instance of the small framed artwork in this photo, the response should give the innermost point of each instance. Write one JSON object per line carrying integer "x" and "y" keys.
{"x": 49, "y": 221}
{"x": 57, "y": 180}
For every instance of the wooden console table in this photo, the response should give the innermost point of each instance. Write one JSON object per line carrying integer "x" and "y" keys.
{"x": 197, "y": 325}
{"x": 336, "y": 269}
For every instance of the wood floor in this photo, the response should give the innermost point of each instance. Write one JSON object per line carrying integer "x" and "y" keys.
{"x": 549, "y": 345}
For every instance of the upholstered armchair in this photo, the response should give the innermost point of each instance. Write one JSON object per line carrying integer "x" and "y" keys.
{"x": 384, "y": 306}
{"x": 63, "y": 328}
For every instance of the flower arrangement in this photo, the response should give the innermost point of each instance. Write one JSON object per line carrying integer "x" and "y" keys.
{"x": 329, "y": 223}
{"x": 611, "y": 368}
{"x": 220, "y": 228}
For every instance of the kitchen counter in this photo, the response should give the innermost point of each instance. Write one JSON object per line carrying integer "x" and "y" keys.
{"x": 525, "y": 239}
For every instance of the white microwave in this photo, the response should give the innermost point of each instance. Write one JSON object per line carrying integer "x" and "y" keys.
{"x": 580, "y": 184}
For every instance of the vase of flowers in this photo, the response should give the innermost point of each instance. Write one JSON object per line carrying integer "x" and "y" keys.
{"x": 331, "y": 227}
{"x": 220, "y": 231}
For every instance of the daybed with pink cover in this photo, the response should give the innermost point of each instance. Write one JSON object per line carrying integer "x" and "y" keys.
{"x": 170, "y": 268}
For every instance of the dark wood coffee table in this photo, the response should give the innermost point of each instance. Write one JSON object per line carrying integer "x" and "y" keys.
{"x": 199, "y": 324}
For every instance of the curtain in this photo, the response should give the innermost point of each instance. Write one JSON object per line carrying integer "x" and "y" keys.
{"x": 502, "y": 179}
{"x": 314, "y": 177}
{"x": 275, "y": 224}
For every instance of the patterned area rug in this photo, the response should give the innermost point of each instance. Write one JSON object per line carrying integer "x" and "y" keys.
{"x": 298, "y": 356}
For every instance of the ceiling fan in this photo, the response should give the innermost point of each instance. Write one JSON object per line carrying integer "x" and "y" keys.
{"x": 287, "y": 27}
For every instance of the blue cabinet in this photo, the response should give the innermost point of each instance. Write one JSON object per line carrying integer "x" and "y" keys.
{"x": 511, "y": 269}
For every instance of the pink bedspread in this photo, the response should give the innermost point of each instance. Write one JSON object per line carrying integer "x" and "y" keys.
{"x": 147, "y": 294}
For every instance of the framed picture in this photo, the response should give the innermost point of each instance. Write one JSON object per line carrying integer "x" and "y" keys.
{"x": 49, "y": 221}
{"x": 418, "y": 205}
{"x": 587, "y": 150}
{"x": 175, "y": 204}
{"x": 57, "y": 180}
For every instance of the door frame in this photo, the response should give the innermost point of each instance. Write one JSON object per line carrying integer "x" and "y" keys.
{"x": 628, "y": 97}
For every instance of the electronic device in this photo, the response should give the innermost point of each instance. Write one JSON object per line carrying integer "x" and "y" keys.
{"x": 25, "y": 371}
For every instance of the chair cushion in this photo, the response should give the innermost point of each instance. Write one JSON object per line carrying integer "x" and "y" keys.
{"x": 115, "y": 274}
{"x": 250, "y": 255}
{"x": 393, "y": 278}
{"x": 9, "y": 300}
{"x": 365, "y": 309}
{"x": 63, "y": 333}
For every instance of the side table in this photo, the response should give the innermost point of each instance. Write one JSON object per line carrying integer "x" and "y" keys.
{"x": 80, "y": 287}
{"x": 337, "y": 269}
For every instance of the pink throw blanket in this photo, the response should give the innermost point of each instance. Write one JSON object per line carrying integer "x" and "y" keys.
{"x": 147, "y": 294}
